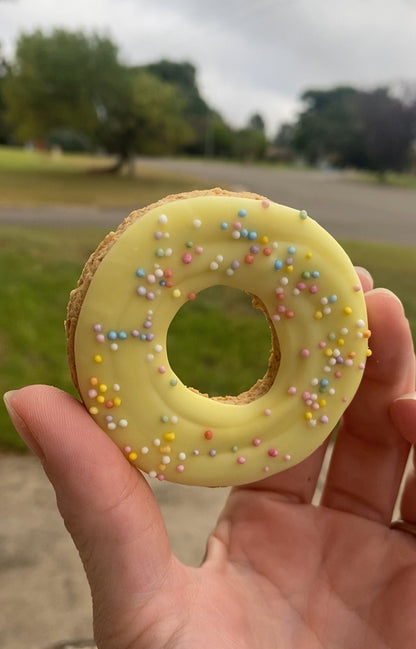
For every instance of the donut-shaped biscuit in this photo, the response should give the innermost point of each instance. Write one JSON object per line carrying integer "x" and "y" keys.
{"x": 163, "y": 256}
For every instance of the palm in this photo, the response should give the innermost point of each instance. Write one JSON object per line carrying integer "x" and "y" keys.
{"x": 290, "y": 576}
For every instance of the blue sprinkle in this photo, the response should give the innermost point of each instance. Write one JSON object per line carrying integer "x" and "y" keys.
{"x": 315, "y": 273}
{"x": 140, "y": 272}
{"x": 291, "y": 250}
{"x": 122, "y": 335}
{"x": 324, "y": 383}
{"x": 278, "y": 264}
{"x": 252, "y": 235}
{"x": 242, "y": 213}
{"x": 332, "y": 298}
{"x": 224, "y": 226}
{"x": 244, "y": 232}
{"x": 162, "y": 282}
{"x": 143, "y": 337}
{"x": 112, "y": 335}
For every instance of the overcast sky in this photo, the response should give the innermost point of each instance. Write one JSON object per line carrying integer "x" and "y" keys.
{"x": 251, "y": 55}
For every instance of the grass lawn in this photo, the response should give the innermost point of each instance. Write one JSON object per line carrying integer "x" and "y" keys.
{"x": 34, "y": 177}
{"x": 38, "y": 272}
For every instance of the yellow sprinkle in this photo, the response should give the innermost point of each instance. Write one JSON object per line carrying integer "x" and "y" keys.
{"x": 322, "y": 403}
{"x": 133, "y": 455}
{"x": 93, "y": 380}
{"x": 165, "y": 450}
{"x": 308, "y": 255}
{"x": 100, "y": 398}
{"x": 176, "y": 293}
{"x": 93, "y": 410}
{"x": 264, "y": 239}
{"x": 328, "y": 351}
{"x": 347, "y": 310}
{"x": 308, "y": 416}
{"x": 340, "y": 342}
{"x": 162, "y": 467}
{"x": 169, "y": 437}
{"x": 289, "y": 269}
{"x": 103, "y": 387}
{"x": 369, "y": 352}
{"x": 117, "y": 401}
{"x": 98, "y": 358}
{"x": 318, "y": 315}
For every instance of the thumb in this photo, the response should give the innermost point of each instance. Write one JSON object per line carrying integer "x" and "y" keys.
{"x": 106, "y": 504}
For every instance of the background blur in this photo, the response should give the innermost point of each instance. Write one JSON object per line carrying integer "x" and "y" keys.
{"x": 109, "y": 105}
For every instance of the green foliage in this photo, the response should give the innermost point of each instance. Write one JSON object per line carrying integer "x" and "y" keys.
{"x": 344, "y": 127}
{"x": 62, "y": 80}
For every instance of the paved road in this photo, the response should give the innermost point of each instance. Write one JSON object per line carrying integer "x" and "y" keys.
{"x": 346, "y": 208}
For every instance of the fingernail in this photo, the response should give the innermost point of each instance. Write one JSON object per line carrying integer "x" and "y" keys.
{"x": 390, "y": 294}
{"x": 363, "y": 271}
{"x": 407, "y": 397}
{"x": 20, "y": 425}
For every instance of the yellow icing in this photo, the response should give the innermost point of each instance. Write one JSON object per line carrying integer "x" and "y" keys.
{"x": 166, "y": 257}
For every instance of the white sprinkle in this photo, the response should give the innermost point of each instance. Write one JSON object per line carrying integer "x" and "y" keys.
{"x": 114, "y": 347}
{"x": 152, "y": 474}
{"x": 165, "y": 459}
{"x": 360, "y": 323}
{"x": 182, "y": 456}
{"x": 111, "y": 426}
{"x": 168, "y": 252}
{"x": 197, "y": 223}
{"x": 213, "y": 265}
{"x": 116, "y": 387}
{"x": 236, "y": 234}
{"x": 163, "y": 218}
{"x": 144, "y": 450}
{"x": 158, "y": 348}
{"x": 150, "y": 357}
{"x": 174, "y": 419}
{"x": 123, "y": 423}
{"x": 156, "y": 442}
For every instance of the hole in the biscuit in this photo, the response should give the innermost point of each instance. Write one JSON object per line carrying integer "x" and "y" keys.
{"x": 220, "y": 345}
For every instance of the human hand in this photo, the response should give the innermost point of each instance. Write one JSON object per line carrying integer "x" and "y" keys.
{"x": 278, "y": 572}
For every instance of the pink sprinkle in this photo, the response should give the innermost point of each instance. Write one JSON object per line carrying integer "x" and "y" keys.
{"x": 127, "y": 449}
{"x": 92, "y": 394}
{"x": 338, "y": 375}
{"x": 280, "y": 290}
{"x": 180, "y": 468}
{"x": 292, "y": 390}
{"x": 151, "y": 279}
{"x": 160, "y": 477}
{"x": 288, "y": 457}
{"x": 301, "y": 286}
{"x": 187, "y": 258}
{"x": 161, "y": 369}
{"x": 199, "y": 250}
{"x": 150, "y": 296}
{"x": 158, "y": 235}
{"x": 275, "y": 317}
{"x": 281, "y": 308}
{"x": 305, "y": 353}
{"x": 349, "y": 362}
{"x": 322, "y": 344}
{"x": 265, "y": 203}
{"x": 97, "y": 328}
{"x": 256, "y": 441}
{"x": 267, "y": 412}
{"x": 241, "y": 460}
{"x": 266, "y": 469}
{"x": 235, "y": 264}
{"x": 100, "y": 338}
{"x": 357, "y": 288}
{"x": 361, "y": 366}
{"x": 273, "y": 452}
{"x": 324, "y": 419}
{"x": 237, "y": 225}
{"x": 306, "y": 395}
{"x": 313, "y": 289}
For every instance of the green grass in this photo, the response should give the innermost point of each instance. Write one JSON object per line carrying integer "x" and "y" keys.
{"x": 33, "y": 177}
{"x": 232, "y": 341}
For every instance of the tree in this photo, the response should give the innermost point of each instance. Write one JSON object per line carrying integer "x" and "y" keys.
{"x": 70, "y": 82}
{"x": 349, "y": 127}
{"x": 329, "y": 128}
{"x": 4, "y": 129}
{"x": 62, "y": 80}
